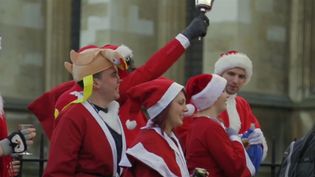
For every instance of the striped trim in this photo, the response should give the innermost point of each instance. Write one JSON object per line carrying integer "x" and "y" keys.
{"x": 183, "y": 40}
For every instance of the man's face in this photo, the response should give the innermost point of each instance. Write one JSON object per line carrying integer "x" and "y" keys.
{"x": 107, "y": 84}
{"x": 236, "y": 78}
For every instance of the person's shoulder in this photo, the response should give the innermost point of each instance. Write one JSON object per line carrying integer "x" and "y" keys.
{"x": 147, "y": 134}
{"x": 73, "y": 111}
{"x": 149, "y": 138}
{"x": 203, "y": 122}
{"x": 241, "y": 99}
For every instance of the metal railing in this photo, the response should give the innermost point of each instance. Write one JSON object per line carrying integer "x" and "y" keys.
{"x": 41, "y": 160}
{"x": 273, "y": 165}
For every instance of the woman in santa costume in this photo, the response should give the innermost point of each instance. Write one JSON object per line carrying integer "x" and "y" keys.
{"x": 209, "y": 144}
{"x": 59, "y": 98}
{"x": 89, "y": 139}
{"x": 156, "y": 151}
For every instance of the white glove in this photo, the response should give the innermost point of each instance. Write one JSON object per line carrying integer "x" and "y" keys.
{"x": 256, "y": 137}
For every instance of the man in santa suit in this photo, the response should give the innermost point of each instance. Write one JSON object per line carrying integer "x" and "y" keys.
{"x": 237, "y": 69}
{"x": 16, "y": 142}
{"x": 157, "y": 64}
{"x": 89, "y": 139}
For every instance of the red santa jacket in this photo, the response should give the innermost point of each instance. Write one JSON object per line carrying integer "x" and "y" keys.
{"x": 208, "y": 146}
{"x": 156, "y": 65}
{"x": 239, "y": 116}
{"x": 245, "y": 115}
{"x": 82, "y": 144}
{"x": 154, "y": 154}
{"x": 4, "y": 160}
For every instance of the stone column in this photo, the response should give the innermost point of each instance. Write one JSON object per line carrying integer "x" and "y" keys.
{"x": 58, "y": 39}
{"x": 301, "y": 53}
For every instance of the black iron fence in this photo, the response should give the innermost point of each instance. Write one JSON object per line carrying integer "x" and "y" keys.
{"x": 273, "y": 165}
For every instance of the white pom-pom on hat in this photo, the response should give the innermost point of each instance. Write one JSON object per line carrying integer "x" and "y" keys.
{"x": 191, "y": 110}
{"x": 131, "y": 124}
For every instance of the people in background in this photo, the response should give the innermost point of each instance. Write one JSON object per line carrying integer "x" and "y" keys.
{"x": 58, "y": 99}
{"x": 209, "y": 144}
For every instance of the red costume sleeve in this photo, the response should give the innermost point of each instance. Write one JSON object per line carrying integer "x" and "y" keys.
{"x": 155, "y": 67}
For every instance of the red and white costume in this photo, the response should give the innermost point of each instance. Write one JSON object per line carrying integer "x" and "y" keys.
{"x": 238, "y": 114}
{"x": 155, "y": 154}
{"x": 210, "y": 147}
{"x": 82, "y": 144}
{"x": 156, "y": 65}
{"x": 4, "y": 160}
{"x": 207, "y": 143}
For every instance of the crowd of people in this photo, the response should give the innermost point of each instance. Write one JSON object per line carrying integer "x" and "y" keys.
{"x": 115, "y": 120}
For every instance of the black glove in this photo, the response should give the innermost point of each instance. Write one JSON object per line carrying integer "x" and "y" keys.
{"x": 15, "y": 143}
{"x": 197, "y": 27}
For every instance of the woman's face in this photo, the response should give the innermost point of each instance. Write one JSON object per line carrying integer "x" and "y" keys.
{"x": 176, "y": 111}
{"x": 221, "y": 102}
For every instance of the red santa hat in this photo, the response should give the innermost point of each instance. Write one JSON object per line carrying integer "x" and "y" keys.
{"x": 203, "y": 91}
{"x": 153, "y": 96}
{"x": 234, "y": 59}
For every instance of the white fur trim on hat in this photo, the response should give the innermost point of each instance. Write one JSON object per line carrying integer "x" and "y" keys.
{"x": 166, "y": 99}
{"x": 209, "y": 95}
{"x": 229, "y": 61}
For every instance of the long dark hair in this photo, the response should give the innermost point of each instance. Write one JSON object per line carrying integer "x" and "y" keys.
{"x": 160, "y": 119}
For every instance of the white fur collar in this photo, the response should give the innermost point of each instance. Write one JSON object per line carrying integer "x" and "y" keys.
{"x": 113, "y": 107}
{"x": 234, "y": 118}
